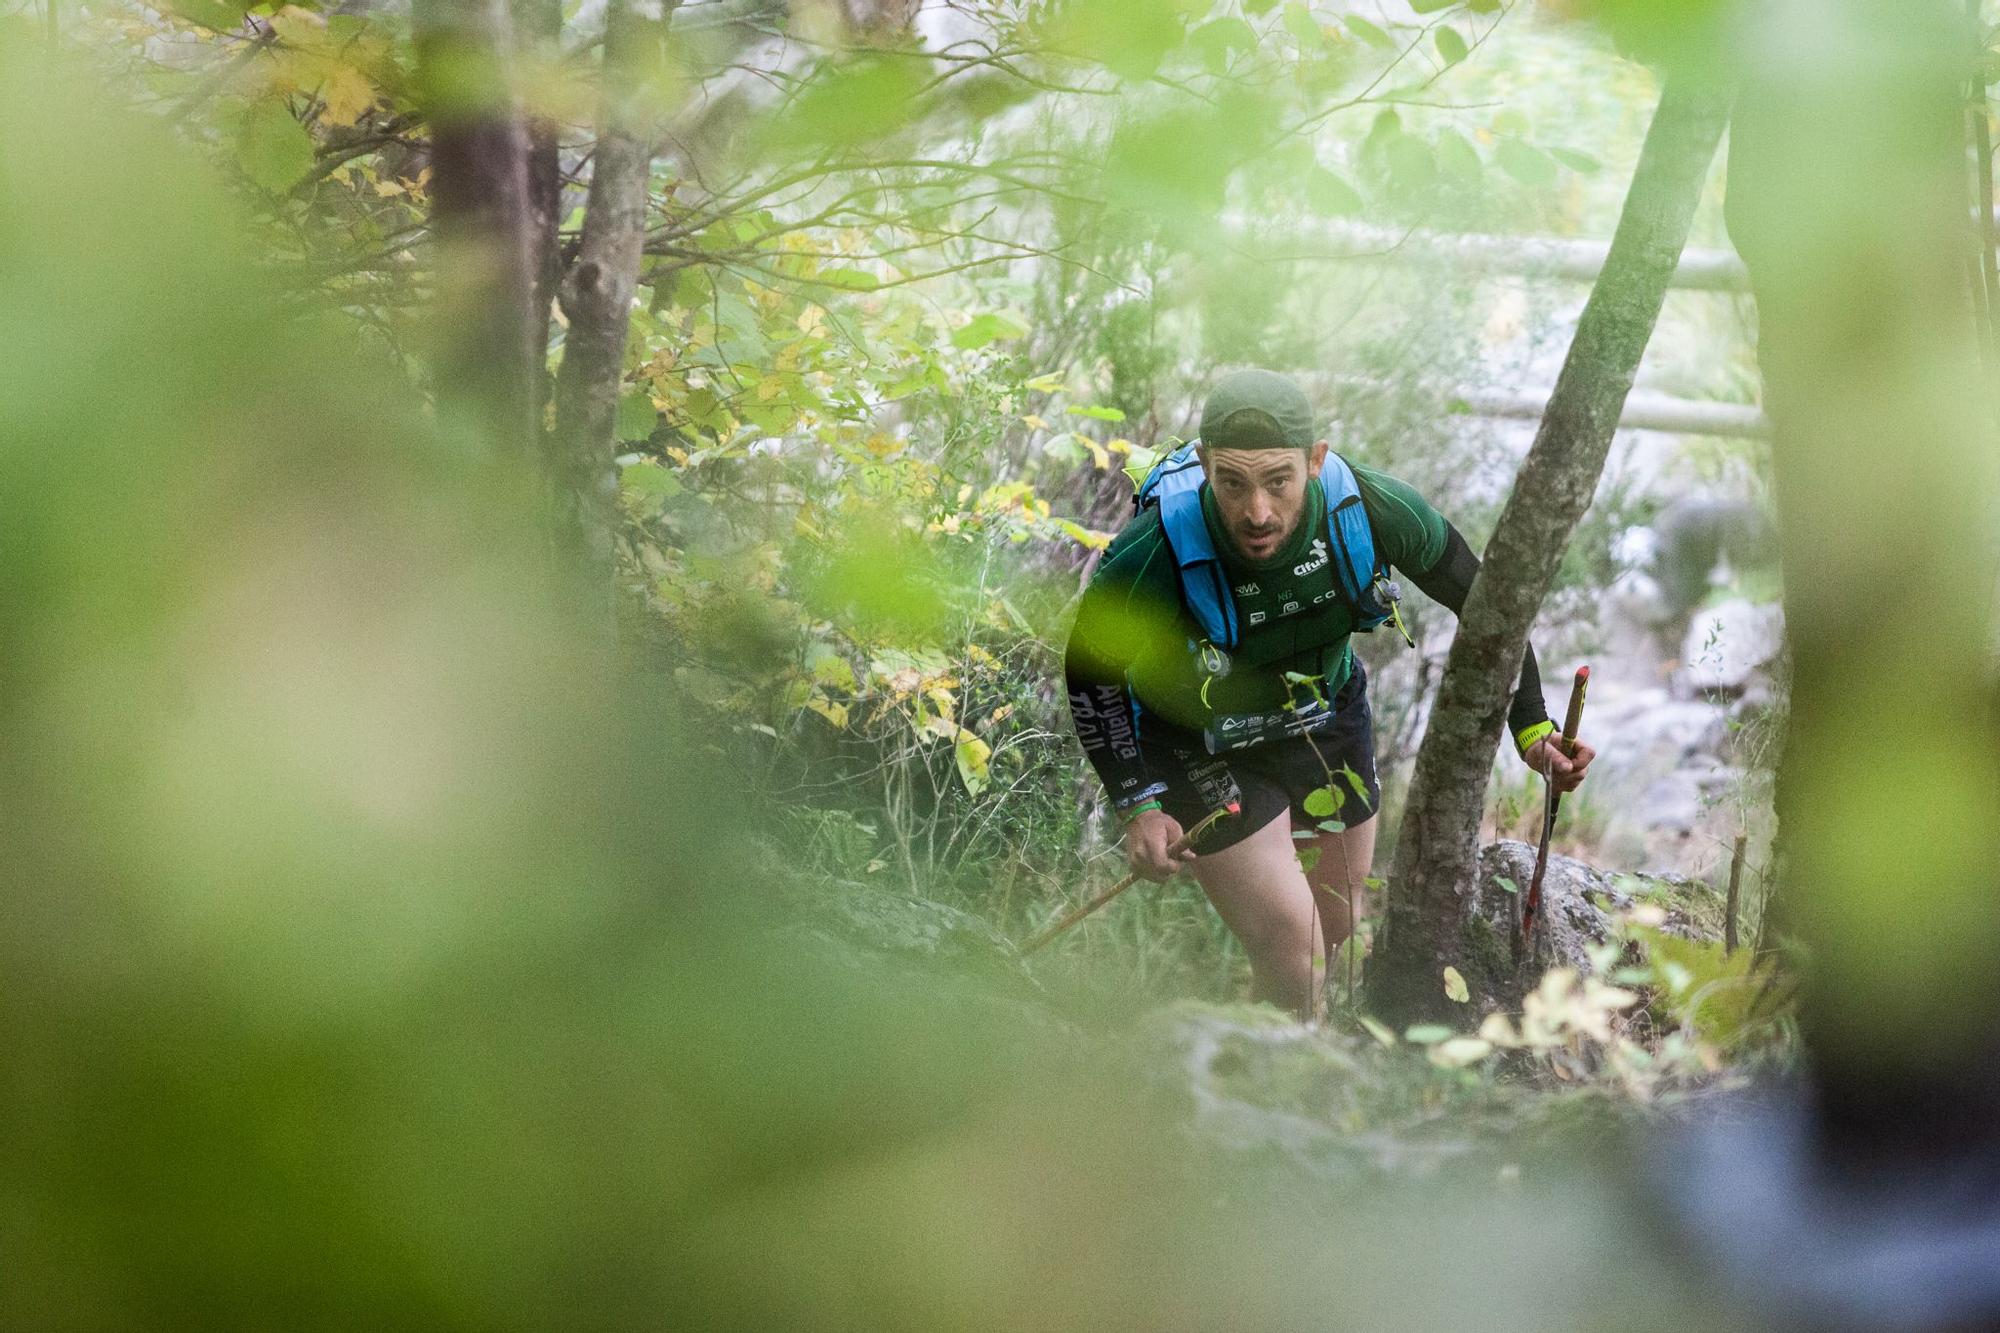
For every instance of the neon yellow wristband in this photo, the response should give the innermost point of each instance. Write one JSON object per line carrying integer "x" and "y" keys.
{"x": 1525, "y": 741}
{"x": 1127, "y": 816}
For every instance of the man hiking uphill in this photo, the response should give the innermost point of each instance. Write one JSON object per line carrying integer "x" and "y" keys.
{"x": 1210, "y": 662}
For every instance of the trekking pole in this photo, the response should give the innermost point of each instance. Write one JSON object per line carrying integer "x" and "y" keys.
{"x": 1077, "y": 914}
{"x": 1554, "y": 799}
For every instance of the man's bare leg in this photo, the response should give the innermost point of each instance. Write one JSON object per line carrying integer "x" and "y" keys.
{"x": 1262, "y": 896}
{"x": 1339, "y": 879}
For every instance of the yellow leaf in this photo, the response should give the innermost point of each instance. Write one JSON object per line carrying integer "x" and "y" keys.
{"x": 1610, "y": 997}
{"x": 1459, "y": 1052}
{"x": 1088, "y": 538}
{"x": 345, "y": 95}
{"x": 829, "y": 709}
{"x": 1377, "y": 1031}
{"x": 387, "y": 188}
{"x": 298, "y": 27}
{"x": 832, "y": 670}
{"x": 290, "y": 70}
{"x": 1034, "y": 421}
{"x": 1454, "y": 986}
{"x": 974, "y": 756}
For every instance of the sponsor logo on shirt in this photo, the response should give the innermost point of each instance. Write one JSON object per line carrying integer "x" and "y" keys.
{"x": 1318, "y": 561}
{"x": 1259, "y": 617}
{"x": 1248, "y": 590}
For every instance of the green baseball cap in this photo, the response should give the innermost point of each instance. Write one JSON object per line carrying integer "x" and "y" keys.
{"x": 1257, "y": 409}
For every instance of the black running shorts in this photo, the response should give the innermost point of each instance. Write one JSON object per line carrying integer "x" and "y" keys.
{"x": 1279, "y": 775}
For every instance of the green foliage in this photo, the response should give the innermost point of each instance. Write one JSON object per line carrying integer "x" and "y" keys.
{"x": 365, "y": 819}
{"x": 1709, "y": 992}
{"x": 851, "y": 103}
{"x": 274, "y": 149}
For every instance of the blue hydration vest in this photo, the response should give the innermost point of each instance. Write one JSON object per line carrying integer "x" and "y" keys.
{"x": 1174, "y": 485}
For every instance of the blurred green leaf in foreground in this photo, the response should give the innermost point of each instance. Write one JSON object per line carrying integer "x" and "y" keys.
{"x": 379, "y": 957}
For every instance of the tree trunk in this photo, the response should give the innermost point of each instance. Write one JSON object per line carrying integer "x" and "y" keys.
{"x": 597, "y": 296}
{"x": 484, "y": 362}
{"x": 1847, "y": 200}
{"x": 538, "y": 31}
{"x": 1429, "y": 924}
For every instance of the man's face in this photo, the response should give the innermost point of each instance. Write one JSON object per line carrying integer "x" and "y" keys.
{"x": 1261, "y": 493}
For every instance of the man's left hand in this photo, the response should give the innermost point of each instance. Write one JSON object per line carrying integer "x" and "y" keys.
{"x": 1565, "y": 771}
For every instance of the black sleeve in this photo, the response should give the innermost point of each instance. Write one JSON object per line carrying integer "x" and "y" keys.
{"x": 1447, "y": 582}
{"x": 1100, "y": 704}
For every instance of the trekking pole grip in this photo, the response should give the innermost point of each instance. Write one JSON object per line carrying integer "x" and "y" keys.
{"x": 1574, "y": 718}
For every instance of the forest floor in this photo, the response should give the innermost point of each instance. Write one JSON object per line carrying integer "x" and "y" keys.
{"x": 1594, "y": 1060}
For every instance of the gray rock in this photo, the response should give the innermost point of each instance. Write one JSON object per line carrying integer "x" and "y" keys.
{"x": 1250, "y": 1081}
{"x": 1576, "y": 907}
{"x": 1294, "y": 1106}
{"x": 1257, "y": 1081}
{"x": 1653, "y": 729}
{"x": 1729, "y": 645}
{"x": 1664, "y": 766}
{"x": 1752, "y": 704}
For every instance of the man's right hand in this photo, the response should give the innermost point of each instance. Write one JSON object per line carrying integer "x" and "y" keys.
{"x": 1148, "y": 839}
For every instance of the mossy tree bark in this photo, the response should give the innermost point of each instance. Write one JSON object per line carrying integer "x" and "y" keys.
{"x": 597, "y": 294}
{"x": 538, "y": 37}
{"x": 1434, "y": 878}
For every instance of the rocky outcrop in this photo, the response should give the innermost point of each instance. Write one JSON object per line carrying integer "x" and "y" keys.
{"x": 1731, "y": 647}
{"x": 1290, "y": 1106}
{"x": 1577, "y": 907}
{"x": 1246, "y": 1078}
{"x": 1669, "y": 789}
{"x": 1248, "y": 1081}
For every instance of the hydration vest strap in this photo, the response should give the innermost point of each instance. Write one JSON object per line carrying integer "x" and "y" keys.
{"x": 1176, "y": 486}
{"x": 1348, "y": 522}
